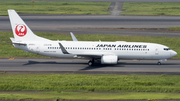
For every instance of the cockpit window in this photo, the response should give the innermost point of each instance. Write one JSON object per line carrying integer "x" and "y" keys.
{"x": 167, "y": 49}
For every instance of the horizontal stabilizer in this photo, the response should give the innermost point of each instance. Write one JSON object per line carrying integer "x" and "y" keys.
{"x": 17, "y": 42}
{"x": 20, "y": 43}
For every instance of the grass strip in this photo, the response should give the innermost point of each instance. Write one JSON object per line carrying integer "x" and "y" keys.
{"x": 151, "y": 8}
{"x": 7, "y": 49}
{"x": 88, "y": 96}
{"x": 55, "y": 7}
{"x": 174, "y": 28}
{"x": 89, "y": 82}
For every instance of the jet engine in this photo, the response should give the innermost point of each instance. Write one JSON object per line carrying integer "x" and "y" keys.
{"x": 109, "y": 59}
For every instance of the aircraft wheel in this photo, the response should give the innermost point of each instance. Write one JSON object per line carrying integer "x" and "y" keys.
{"x": 159, "y": 63}
{"x": 90, "y": 63}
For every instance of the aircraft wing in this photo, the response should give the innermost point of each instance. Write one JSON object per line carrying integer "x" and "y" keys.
{"x": 90, "y": 54}
{"x": 85, "y": 54}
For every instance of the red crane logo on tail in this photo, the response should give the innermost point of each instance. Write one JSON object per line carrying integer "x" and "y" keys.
{"x": 21, "y": 30}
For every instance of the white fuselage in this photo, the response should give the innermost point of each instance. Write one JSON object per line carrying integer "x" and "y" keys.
{"x": 124, "y": 50}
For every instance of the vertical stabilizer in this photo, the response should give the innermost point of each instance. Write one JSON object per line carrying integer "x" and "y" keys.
{"x": 20, "y": 30}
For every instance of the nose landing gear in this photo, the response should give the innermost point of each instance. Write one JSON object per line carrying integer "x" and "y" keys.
{"x": 159, "y": 62}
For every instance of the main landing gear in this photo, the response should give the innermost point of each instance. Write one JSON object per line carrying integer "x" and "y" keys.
{"x": 91, "y": 62}
{"x": 159, "y": 63}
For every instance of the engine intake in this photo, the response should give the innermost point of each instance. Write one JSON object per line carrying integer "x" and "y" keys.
{"x": 109, "y": 59}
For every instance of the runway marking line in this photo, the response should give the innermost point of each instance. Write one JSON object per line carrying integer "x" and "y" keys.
{"x": 11, "y": 58}
{"x": 135, "y": 60}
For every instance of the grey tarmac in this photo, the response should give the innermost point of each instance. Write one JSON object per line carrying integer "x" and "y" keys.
{"x": 88, "y": 24}
{"x": 56, "y": 65}
{"x": 55, "y": 22}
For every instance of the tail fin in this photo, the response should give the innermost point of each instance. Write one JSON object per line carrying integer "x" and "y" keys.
{"x": 20, "y": 30}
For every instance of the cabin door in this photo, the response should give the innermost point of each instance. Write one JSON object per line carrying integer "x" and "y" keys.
{"x": 156, "y": 51}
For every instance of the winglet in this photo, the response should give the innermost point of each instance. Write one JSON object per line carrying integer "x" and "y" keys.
{"x": 73, "y": 37}
{"x": 63, "y": 49}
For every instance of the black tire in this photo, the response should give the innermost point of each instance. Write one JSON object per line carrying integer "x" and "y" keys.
{"x": 90, "y": 63}
{"x": 159, "y": 63}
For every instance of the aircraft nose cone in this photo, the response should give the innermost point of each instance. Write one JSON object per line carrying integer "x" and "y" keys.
{"x": 173, "y": 53}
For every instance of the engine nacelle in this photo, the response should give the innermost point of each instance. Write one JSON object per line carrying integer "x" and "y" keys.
{"x": 109, "y": 59}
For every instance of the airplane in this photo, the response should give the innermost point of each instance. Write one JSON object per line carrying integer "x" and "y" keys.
{"x": 105, "y": 52}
